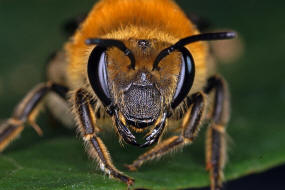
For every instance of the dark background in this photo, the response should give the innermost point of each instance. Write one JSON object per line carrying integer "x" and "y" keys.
{"x": 271, "y": 179}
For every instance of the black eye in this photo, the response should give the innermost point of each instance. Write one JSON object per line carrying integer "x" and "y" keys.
{"x": 188, "y": 69}
{"x": 186, "y": 77}
{"x": 187, "y": 73}
{"x": 97, "y": 71}
{"x": 97, "y": 74}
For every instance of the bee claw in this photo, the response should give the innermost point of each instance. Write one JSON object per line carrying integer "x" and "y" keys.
{"x": 144, "y": 145}
{"x": 133, "y": 142}
{"x": 154, "y": 136}
{"x": 148, "y": 143}
{"x": 124, "y": 131}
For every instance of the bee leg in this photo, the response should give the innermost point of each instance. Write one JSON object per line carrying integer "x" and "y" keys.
{"x": 95, "y": 147}
{"x": 216, "y": 145}
{"x": 190, "y": 128}
{"x": 26, "y": 112}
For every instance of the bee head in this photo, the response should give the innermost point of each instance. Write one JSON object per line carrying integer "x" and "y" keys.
{"x": 145, "y": 80}
{"x": 125, "y": 78}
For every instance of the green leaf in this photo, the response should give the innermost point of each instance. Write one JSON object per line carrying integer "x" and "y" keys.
{"x": 30, "y": 31}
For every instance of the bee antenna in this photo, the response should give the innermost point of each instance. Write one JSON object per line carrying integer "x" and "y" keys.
{"x": 191, "y": 39}
{"x": 113, "y": 43}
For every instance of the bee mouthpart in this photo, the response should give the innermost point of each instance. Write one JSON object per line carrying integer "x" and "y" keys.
{"x": 140, "y": 123}
{"x": 141, "y": 105}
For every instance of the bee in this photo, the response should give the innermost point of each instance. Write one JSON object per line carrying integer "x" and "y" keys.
{"x": 137, "y": 64}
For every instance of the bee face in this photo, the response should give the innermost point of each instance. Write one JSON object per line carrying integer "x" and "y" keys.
{"x": 141, "y": 94}
{"x": 145, "y": 89}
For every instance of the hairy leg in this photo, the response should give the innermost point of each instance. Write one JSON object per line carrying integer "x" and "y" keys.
{"x": 216, "y": 144}
{"x": 96, "y": 149}
{"x": 26, "y": 112}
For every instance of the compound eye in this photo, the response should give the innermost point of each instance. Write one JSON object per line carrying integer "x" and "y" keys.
{"x": 186, "y": 77}
{"x": 102, "y": 68}
{"x": 97, "y": 74}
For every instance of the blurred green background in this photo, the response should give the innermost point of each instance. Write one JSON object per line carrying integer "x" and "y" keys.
{"x": 31, "y": 30}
